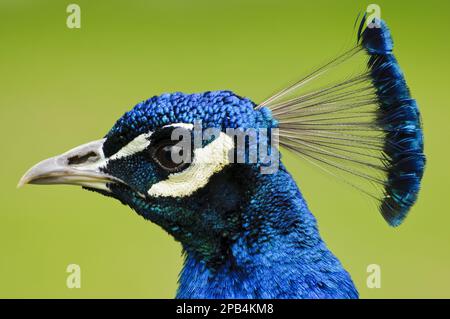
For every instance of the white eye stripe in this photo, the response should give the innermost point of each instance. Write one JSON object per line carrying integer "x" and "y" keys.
{"x": 187, "y": 126}
{"x": 137, "y": 145}
{"x": 207, "y": 161}
{"x": 141, "y": 142}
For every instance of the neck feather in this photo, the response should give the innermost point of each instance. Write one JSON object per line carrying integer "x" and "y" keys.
{"x": 278, "y": 252}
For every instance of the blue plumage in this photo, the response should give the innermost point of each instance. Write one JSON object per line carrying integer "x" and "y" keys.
{"x": 215, "y": 109}
{"x": 279, "y": 255}
{"x": 400, "y": 117}
{"x": 239, "y": 241}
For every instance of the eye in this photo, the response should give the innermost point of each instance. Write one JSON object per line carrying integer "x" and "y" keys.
{"x": 169, "y": 156}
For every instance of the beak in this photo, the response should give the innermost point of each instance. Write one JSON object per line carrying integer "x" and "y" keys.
{"x": 79, "y": 166}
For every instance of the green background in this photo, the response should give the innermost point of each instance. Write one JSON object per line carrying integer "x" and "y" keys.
{"x": 61, "y": 87}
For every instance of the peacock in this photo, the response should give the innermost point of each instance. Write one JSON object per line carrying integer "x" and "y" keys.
{"x": 245, "y": 229}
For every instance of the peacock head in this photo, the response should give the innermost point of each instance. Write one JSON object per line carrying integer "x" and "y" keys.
{"x": 172, "y": 161}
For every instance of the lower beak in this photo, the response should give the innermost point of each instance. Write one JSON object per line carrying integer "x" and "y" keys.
{"x": 79, "y": 166}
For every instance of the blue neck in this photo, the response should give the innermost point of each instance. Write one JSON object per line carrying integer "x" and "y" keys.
{"x": 278, "y": 254}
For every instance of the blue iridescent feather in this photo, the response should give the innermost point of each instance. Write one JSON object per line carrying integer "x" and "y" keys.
{"x": 244, "y": 235}
{"x": 400, "y": 117}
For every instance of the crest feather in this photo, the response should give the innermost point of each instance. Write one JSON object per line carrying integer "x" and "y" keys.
{"x": 364, "y": 128}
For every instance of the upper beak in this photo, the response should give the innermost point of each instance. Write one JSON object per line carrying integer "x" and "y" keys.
{"x": 79, "y": 166}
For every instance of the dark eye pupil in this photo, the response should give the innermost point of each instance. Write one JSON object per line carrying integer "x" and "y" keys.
{"x": 169, "y": 156}
{"x": 164, "y": 156}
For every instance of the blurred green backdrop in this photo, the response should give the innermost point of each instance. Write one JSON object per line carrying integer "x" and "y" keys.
{"x": 62, "y": 87}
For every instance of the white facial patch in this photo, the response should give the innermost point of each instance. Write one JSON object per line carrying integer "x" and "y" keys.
{"x": 187, "y": 126}
{"x": 207, "y": 161}
{"x": 137, "y": 145}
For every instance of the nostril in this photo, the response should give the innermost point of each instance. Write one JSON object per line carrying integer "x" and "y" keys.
{"x": 81, "y": 159}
